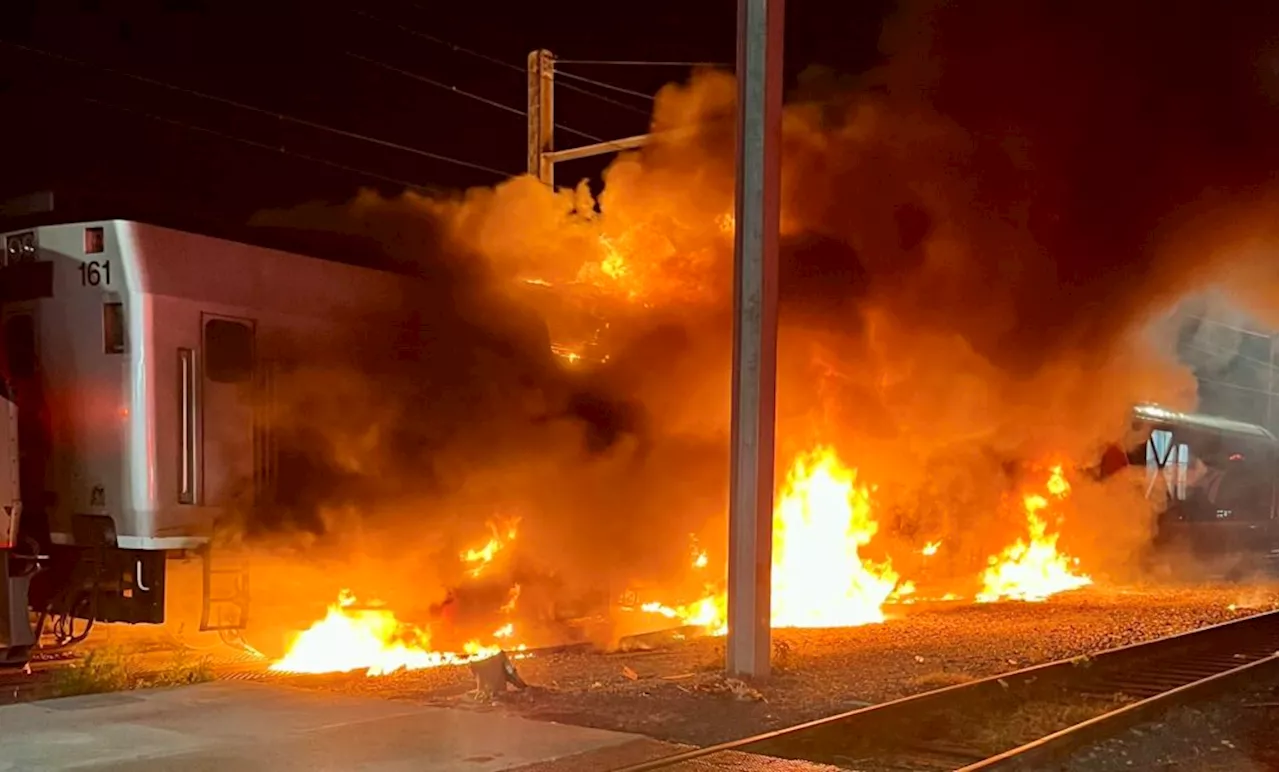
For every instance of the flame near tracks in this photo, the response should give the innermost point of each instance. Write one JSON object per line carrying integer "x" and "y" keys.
{"x": 1034, "y": 569}
{"x": 821, "y": 520}
{"x": 368, "y": 637}
{"x": 823, "y": 517}
{"x": 371, "y": 639}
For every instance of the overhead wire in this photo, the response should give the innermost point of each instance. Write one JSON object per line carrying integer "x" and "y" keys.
{"x": 261, "y": 110}
{"x": 637, "y": 63}
{"x": 500, "y": 62}
{"x": 463, "y": 92}
{"x": 440, "y": 41}
{"x": 254, "y": 143}
{"x": 602, "y": 84}
{"x": 603, "y": 98}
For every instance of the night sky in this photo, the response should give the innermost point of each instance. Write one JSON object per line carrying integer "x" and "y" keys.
{"x": 296, "y": 58}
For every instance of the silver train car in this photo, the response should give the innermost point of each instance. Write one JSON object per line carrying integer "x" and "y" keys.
{"x": 128, "y": 355}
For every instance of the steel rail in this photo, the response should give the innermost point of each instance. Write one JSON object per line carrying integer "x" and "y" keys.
{"x": 1056, "y": 673}
{"x": 1035, "y": 754}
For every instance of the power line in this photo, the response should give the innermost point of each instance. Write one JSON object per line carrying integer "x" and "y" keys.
{"x": 625, "y": 63}
{"x": 514, "y": 67}
{"x": 500, "y": 62}
{"x": 436, "y": 83}
{"x": 263, "y": 111}
{"x": 255, "y": 143}
{"x": 602, "y": 84}
{"x": 461, "y": 92}
{"x": 603, "y": 98}
{"x": 441, "y": 41}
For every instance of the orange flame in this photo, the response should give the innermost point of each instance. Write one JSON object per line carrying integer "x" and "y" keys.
{"x": 372, "y": 640}
{"x": 821, "y": 520}
{"x": 708, "y": 613}
{"x": 484, "y": 555}
{"x": 1034, "y": 570}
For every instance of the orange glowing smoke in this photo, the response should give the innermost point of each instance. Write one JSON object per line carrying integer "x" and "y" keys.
{"x": 820, "y": 521}
{"x": 372, "y": 640}
{"x": 1034, "y": 570}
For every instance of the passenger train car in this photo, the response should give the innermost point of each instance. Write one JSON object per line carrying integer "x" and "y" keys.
{"x": 128, "y": 354}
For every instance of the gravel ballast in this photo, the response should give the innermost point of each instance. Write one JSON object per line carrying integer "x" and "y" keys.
{"x": 1234, "y": 732}
{"x": 675, "y": 692}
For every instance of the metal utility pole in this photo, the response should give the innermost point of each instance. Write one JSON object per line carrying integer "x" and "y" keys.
{"x": 755, "y": 335}
{"x": 541, "y": 111}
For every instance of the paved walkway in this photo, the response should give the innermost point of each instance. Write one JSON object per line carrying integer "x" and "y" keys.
{"x": 248, "y": 726}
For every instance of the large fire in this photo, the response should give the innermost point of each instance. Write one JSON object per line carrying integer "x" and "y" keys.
{"x": 822, "y": 518}
{"x": 1034, "y": 569}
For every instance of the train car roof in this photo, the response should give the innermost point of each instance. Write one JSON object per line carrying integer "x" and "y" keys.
{"x": 1164, "y": 416}
{"x": 334, "y": 246}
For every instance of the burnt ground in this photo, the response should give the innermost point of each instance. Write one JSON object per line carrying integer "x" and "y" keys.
{"x": 675, "y": 693}
{"x": 1235, "y": 732}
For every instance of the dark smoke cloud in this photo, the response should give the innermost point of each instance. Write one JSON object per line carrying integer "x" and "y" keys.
{"x": 975, "y": 237}
{"x": 444, "y": 409}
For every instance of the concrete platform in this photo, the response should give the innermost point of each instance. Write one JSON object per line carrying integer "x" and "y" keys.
{"x": 248, "y": 726}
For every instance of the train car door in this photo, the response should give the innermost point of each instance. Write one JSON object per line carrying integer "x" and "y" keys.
{"x": 227, "y": 416}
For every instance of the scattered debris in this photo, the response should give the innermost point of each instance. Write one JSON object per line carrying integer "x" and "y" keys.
{"x": 494, "y": 673}
{"x": 731, "y": 686}
{"x": 630, "y": 674}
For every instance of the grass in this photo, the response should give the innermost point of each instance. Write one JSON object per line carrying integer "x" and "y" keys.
{"x": 939, "y": 679}
{"x": 1036, "y": 719}
{"x": 112, "y": 670}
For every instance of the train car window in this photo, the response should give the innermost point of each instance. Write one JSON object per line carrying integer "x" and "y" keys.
{"x": 20, "y": 346}
{"x": 113, "y": 328}
{"x": 93, "y": 241}
{"x": 1244, "y": 490}
{"x": 228, "y": 351}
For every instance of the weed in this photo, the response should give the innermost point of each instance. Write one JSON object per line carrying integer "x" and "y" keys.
{"x": 936, "y": 680}
{"x": 111, "y": 670}
{"x": 100, "y": 671}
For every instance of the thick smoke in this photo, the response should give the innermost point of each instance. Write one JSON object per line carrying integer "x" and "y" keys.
{"x": 976, "y": 237}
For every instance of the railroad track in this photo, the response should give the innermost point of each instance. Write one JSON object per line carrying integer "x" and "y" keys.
{"x": 1020, "y": 720}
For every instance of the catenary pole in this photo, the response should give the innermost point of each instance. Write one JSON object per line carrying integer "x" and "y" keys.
{"x": 755, "y": 337}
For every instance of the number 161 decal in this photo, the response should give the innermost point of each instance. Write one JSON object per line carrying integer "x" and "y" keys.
{"x": 95, "y": 274}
